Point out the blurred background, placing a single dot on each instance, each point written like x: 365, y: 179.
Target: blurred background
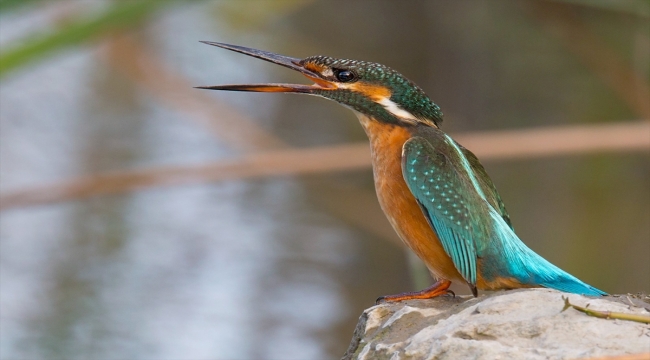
x: 144, y: 219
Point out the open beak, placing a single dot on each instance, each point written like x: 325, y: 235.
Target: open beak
x: 291, y: 63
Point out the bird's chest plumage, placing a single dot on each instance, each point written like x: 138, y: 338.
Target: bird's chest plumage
x: 397, y: 201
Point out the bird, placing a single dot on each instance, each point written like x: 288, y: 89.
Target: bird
x: 435, y: 193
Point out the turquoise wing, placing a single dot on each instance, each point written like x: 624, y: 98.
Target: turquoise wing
x: 449, y: 201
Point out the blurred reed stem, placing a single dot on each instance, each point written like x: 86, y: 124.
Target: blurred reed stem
x: 120, y: 15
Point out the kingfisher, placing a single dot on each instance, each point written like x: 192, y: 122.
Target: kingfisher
x: 434, y: 192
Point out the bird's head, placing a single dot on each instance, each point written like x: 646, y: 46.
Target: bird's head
x: 371, y: 89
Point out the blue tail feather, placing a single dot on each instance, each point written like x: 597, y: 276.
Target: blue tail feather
x: 573, y: 285
x: 528, y: 267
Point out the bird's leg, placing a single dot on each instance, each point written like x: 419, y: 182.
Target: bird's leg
x: 437, y: 289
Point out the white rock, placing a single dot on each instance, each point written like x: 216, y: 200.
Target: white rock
x: 519, y: 324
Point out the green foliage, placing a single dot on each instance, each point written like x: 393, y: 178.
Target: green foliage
x: 9, y: 4
x: 120, y: 15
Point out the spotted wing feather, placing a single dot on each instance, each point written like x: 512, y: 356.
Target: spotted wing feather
x: 445, y: 195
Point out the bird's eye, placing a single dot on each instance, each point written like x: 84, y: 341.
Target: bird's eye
x: 344, y: 75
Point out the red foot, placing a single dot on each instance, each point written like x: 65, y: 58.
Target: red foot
x: 437, y: 289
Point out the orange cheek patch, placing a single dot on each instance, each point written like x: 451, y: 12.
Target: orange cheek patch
x: 375, y: 92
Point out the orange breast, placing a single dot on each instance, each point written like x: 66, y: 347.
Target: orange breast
x: 399, y: 205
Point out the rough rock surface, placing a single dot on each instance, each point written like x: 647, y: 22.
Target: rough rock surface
x: 518, y: 324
